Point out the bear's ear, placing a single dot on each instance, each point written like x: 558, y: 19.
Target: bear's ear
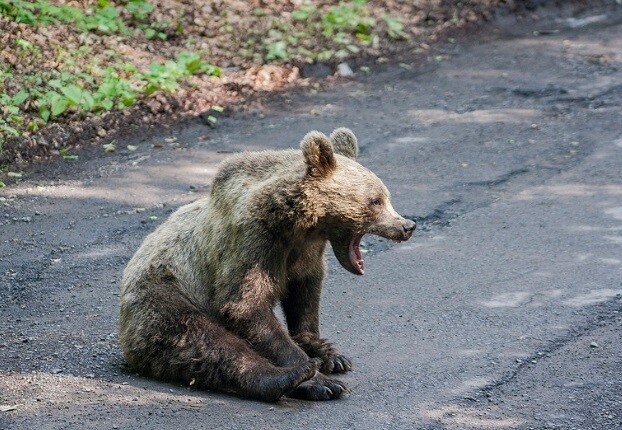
x: 344, y: 142
x: 318, y: 153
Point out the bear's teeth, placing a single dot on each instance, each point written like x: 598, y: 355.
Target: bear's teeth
x: 356, y: 258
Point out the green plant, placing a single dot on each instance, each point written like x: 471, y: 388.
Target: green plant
x: 24, y: 45
x: 64, y: 152
x: 211, y: 119
x: 395, y: 28
x: 347, y: 25
x: 191, y: 63
x: 349, y: 18
x: 167, y: 76
x: 114, y: 90
x: 10, y: 115
x: 52, y: 94
x: 20, y: 11
x: 306, y: 12
x: 155, y: 29
x: 276, y: 50
x: 102, y: 17
x: 78, y: 79
x: 139, y: 9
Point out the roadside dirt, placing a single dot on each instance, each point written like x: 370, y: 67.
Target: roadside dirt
x: 506, y: 148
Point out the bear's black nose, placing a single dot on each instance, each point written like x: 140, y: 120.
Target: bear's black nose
x: 409, y: 226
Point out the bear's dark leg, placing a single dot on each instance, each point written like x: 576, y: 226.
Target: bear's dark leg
x: 251, y: 316
x: 165, y: 337
x: 301, y: 308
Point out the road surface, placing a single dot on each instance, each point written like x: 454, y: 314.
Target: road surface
x: 502, y: 312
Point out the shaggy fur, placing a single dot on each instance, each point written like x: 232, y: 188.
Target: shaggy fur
x: 197, y: 298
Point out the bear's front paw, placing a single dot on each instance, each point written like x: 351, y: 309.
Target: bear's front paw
x: 336, y: 363
x: 314, y: 346
x: 320, y: 387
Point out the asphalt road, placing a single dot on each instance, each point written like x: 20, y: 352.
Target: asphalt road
x: 502, y: 312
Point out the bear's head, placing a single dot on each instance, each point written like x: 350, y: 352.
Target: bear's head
x: 346, y: 200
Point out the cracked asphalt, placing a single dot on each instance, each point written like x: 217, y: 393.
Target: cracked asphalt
x: 502, y: 312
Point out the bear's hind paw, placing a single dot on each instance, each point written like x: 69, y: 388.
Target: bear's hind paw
x: 319, y: 388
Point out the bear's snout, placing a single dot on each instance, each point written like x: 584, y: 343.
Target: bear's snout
x: 409, y: 227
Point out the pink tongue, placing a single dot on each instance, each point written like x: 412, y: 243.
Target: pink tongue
x: 356, y: 258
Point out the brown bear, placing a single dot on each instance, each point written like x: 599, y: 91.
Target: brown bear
x: 198, y: 297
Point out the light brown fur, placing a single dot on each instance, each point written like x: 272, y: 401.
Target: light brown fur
x: 197, y: 298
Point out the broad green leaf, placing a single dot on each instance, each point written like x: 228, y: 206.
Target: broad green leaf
x: 45, y: 114
x: 301, y: 14
x: 87, y: 101
x: 59, y: 105
x: 9, y: 129
x: 107, y: 104
x: 55, y: 83
x: 128, y: 100
x: 73, y: 94
x: 106, y: 89
x: 20, y: 97
x: 211, y: 70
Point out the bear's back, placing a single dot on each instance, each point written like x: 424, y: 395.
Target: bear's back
x: 198, y: 242
x: 250, y: 168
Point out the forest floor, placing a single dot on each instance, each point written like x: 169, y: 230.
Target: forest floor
x: 72, y: 78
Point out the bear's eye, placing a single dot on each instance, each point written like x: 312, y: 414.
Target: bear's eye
x: 376, y: 202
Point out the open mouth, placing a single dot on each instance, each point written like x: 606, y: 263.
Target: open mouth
x: 356, y: 258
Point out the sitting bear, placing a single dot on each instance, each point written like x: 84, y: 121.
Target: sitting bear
x: 198, y: 297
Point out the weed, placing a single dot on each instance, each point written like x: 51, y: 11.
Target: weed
x: 350, y: 18
x: 55, y: 93
x: 167, y: 76
x: 277, y: 50
x: 211, y: 119
x: 347, y: 26
x: 80, y: 80
x: 139, y: 9
x: 395, y: 28
x: 102, y: 17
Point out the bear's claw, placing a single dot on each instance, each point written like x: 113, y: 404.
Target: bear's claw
x: 336, y: 364
x: 314, y: 346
